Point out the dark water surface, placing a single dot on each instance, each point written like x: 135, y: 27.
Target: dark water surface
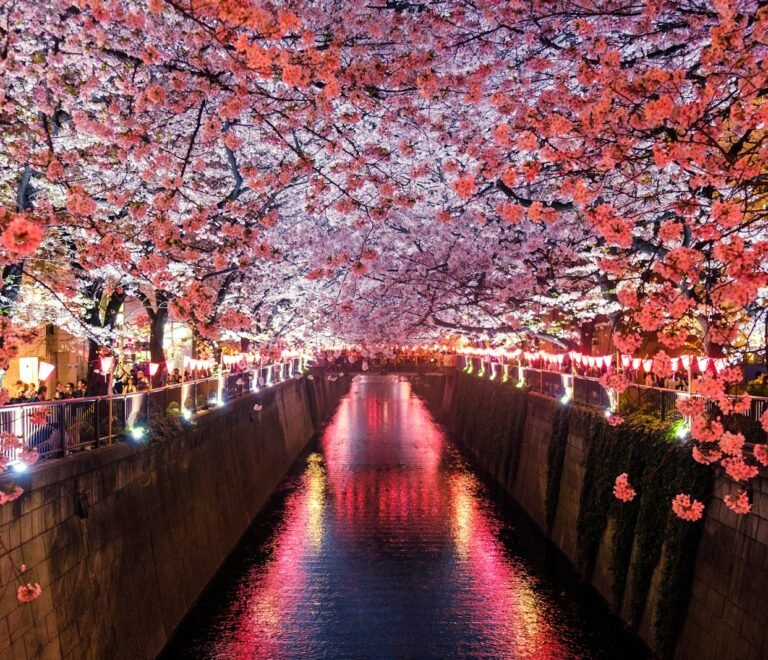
x: 382, y: 543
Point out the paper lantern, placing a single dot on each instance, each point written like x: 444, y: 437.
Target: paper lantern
x: 720, y: 364
x: 686, y: 360
x: 674, y: 363
x: 599, y: 362
x: 29, y: 369
x: 647, y: 366
x: 153, y: 367
x: 608, y: 360
x: 560, y: 358
x: 106, y: 364
x: 578, y: 358
x: 186, y: 361
x: 44, y: 370
x: 703, y: 364
x: 626, y: 360
x: 636, y: 363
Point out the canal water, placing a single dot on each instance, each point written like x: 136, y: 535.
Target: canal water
x: 383, y: 543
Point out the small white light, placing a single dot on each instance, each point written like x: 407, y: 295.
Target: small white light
x: 137, y: 433
x: 682, y: 432
x: 257, y: 407
x: 608, y: 413
x: 565, y: 398
x: 20, y: 467
x: 187, y: 414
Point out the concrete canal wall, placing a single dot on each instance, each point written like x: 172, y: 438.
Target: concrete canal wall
x: 124, y: 539
x: 688, y: 590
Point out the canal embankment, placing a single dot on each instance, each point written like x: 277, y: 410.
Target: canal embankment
x: 124, y: 539
x: 688, y: 590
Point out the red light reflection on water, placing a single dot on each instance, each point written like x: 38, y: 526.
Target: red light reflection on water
x: 387, y: 503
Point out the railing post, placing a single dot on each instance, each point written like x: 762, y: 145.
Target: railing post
x: 97, y: 421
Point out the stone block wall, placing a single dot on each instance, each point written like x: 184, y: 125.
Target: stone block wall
x: 728, y: 614
x: 124, y: 539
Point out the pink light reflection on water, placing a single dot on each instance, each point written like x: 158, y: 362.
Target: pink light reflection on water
x: 387, y: 546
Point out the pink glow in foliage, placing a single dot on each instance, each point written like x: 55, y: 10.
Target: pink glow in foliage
x: 738, y: 502
x: 687, y: 508
x: 22, y: 237
x: 622, y: 490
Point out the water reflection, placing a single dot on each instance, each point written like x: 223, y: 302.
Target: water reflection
x: 386, y: 545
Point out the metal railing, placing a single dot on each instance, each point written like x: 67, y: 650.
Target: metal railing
x: 657, y: 401
x: 57, y: 428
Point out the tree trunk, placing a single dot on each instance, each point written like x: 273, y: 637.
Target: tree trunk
x: 586, y: 332
x: 156, y: 337
x: 96, y: 383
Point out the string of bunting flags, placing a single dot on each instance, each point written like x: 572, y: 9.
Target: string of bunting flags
x: 627, y: 362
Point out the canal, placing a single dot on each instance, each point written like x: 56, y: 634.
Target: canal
x: 383, y: 543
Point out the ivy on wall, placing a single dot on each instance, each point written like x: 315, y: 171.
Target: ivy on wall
x: 644, y: 530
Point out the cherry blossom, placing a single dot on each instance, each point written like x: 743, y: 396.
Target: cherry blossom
x: 622, y: 489
x: 738, y: 502
x: 26, y: 593
x: 687, y: 508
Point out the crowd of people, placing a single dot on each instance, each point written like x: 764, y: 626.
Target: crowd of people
x: 125, y: 380
x: 31, y: 393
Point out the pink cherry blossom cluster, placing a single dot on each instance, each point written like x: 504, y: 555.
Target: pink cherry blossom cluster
x: 622, y: 490
x: 26, y: 593
x: 738, y: 502
x: 687, y: 508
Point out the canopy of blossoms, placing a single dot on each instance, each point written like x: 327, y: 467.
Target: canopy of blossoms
x: 391, y: 170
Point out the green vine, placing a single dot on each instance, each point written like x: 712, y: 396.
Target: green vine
x: 643, y: 529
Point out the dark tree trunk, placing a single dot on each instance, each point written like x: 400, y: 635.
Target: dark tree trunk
x: 586, y: 332
x: 97, y: 384
x: 156, y: 338
x: 158, y: 316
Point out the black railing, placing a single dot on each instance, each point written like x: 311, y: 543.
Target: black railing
x: 657, y: 401
x: 57, y: 428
